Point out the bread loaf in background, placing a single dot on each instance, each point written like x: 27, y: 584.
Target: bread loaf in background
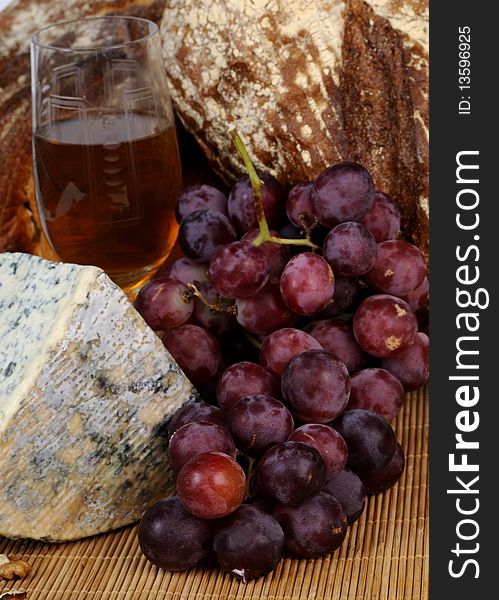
x: 307, y: 83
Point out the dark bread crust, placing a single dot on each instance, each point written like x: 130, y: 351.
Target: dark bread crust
x: 378, y: 114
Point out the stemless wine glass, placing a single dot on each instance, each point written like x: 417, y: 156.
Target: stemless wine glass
x: 105, y: 154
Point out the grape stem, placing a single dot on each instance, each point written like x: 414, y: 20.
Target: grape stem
x: 251, y: 463
x: 220, y: 306
x: 252, y: 339
x: 264, y: 235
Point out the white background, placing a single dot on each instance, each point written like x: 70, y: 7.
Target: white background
x: 4, y: 3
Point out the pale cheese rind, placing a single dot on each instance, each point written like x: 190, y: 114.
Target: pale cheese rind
x: 86, y: 391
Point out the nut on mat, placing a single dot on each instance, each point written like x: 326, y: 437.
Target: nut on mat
x: 17, y: 594
x: 11, y: 568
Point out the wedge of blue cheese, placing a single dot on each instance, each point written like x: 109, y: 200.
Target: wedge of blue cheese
x: 86, y: 391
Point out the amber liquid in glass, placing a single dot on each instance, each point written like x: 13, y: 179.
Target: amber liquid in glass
x: 107, y: 189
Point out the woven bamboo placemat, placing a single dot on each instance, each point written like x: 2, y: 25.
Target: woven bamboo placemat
x: 384, y: 556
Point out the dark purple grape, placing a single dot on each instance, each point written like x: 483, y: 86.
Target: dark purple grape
x: 350, y: 249
x: 195, y: 350
x: 245, y: 379
x: 411, y: 365
x: 249, y: 543
x: 383, y: 218
x: 282, y: 345
x: 418, y: 298
x: 264, y: 312
x: 173, y: 539
x: 200, y: 197
x: 277, y: 255
x: 238, y: 270
x: 343, y: 192
x: 350, y: 492
x: 290, y: 473
x: 217, y: 322
x: 196, y: 438
x: 384, y: 325
x: 337, y: 337
x: 345, y: 297
x: 211, y: 485
x: 378, y: 390
x: 203, y: 232
x: 164, y: 303
x: 258, y: 422
x: 242, y: 208
x: 316, y: 386
x: 188, y: 270
x: 328, y: 443
x: 307, y: 283
x: 398, y: 270
x: 314, y: 528
x: 299, y: 206
x: 382, y: 479
x: 194, y: 412
x: 370, y: 439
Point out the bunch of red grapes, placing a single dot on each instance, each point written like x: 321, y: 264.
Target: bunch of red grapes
x: 297, y: 318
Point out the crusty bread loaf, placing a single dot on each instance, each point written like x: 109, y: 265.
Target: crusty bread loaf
x: 307, y: 83
x: 19, y: 223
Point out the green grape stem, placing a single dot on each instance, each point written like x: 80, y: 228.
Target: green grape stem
x: 264, y: 235
x: 220, y: 306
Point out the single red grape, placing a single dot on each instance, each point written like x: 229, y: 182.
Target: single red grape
x: 370, y: 439
x: 196, y: 411
x: 203, y: 232
x: 259, y: 422
x: 264, y: 312
x: 399, y: 268
x: 197, y: 438
x: 249, y: 543
x: 350, y: 492
x: 384, y: 325
x: 245, y: 379
x: 290, y: 473
x: 380, y: 480
x: 345, y: 296
x: 200, y: 197
x: 314, y: 528
x: 418, y: 298
x: 307, y: 283
x: 299, y: 206
x: 383, y: 218
x: 337, y: 337
x: 328, y: 443
x: 411, y: 365
x: 196, y: 351
x: 378, y: 390
x: 343, y: 192
x: 281, y: 346
x: 350, y: 249
x: 316, y: 386
x: 173, y: 539
x: 211, y: 485
x: 164, y: 303
x: 188, y: 270
x: 238, y: 270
